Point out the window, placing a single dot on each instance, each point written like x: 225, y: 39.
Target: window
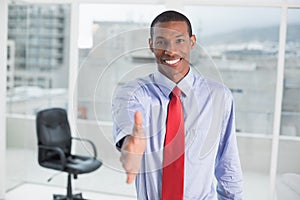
x: 29, y: 87
x: 290, y: 116
x: 239, y: 46
x: 287, y: 165
x: 111, y: 47
x: 36, y: 45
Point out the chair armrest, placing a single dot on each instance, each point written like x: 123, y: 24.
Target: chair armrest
x: 90, y: 142
x: 60, y: 152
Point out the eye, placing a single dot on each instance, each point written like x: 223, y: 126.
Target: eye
x: 159, y: 43
x: 178, y: 41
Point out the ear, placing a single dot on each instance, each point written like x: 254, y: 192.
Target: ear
x: 193, y: 41
x: 150, y: 41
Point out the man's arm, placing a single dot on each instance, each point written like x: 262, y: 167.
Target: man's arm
x: 228, y: 169
x: 128, y: 131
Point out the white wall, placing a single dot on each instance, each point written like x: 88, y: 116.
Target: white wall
x: 251, y: 148
x: 3, y: 56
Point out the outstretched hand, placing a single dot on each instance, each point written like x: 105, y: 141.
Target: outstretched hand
x: 133, y: 149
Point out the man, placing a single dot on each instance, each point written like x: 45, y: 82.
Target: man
x: 203, y: 121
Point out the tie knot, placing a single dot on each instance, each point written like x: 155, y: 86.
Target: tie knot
x: 176, y: 91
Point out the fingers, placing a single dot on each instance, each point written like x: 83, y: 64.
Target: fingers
x: 129, y: 171
x: 131, y: 165
x: 130, y: 177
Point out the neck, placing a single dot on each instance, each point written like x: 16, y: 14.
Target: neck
x: 175, y: 77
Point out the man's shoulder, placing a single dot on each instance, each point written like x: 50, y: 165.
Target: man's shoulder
x: 136, y: 85
x: 138, y: 82
x: 211, y: 85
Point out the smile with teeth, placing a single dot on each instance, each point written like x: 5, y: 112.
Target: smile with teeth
x: 172, y: 62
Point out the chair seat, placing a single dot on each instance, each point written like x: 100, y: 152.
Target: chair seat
x: 75, y: 164
x: 81, y: 164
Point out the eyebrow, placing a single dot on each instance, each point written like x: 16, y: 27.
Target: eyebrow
x: 177, y: 36
x: 181, y: 35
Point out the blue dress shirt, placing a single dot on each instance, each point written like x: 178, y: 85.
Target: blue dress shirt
x: 211, y: 154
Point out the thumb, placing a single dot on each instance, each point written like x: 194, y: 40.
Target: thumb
x: 138, y: 119
x: 138, y: 124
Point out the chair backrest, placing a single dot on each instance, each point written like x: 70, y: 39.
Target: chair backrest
x: 53, y: 130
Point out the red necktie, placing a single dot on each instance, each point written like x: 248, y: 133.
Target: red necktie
x: 173, y: 162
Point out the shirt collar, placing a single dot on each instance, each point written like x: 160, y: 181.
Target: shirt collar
x: 166, y: 85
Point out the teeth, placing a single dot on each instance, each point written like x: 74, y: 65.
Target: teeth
x: 172, y: 62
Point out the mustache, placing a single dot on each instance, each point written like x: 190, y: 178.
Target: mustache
x: 173, y: 57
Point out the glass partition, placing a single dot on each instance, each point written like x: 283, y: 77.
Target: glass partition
x: 239, y: 47
x: 290, y: 115
x: 37, y: 78
x: 111, y: 47
x: 243, y: 46
x: 38, y: 49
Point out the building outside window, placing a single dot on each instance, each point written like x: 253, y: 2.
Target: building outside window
x: 291, y: 88
x: 40, y: 34
x: 111, y: 48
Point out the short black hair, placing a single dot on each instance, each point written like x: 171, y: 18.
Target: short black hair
x: 168, y: 16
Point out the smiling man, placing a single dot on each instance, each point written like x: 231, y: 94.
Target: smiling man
x: 176, y: 129
x: 171, y: 43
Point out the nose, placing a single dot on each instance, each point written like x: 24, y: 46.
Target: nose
x: 170, y: 49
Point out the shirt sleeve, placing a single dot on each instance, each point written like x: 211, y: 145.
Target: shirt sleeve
x: 228, y: 169
x: 125, y: 103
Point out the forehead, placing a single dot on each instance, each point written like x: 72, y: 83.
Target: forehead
x: 171, y: 28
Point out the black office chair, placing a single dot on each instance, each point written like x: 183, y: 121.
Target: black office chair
x: 54, y: 149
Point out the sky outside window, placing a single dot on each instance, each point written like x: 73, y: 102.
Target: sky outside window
x: 107, y: 13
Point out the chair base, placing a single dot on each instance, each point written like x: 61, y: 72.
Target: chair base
x: 64, y: 197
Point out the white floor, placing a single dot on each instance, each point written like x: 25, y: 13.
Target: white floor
x: 43, y: 192
x: 27, y: 180
x: 25, y: 177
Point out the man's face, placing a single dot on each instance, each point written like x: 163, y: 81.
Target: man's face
x: 171, y: 45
